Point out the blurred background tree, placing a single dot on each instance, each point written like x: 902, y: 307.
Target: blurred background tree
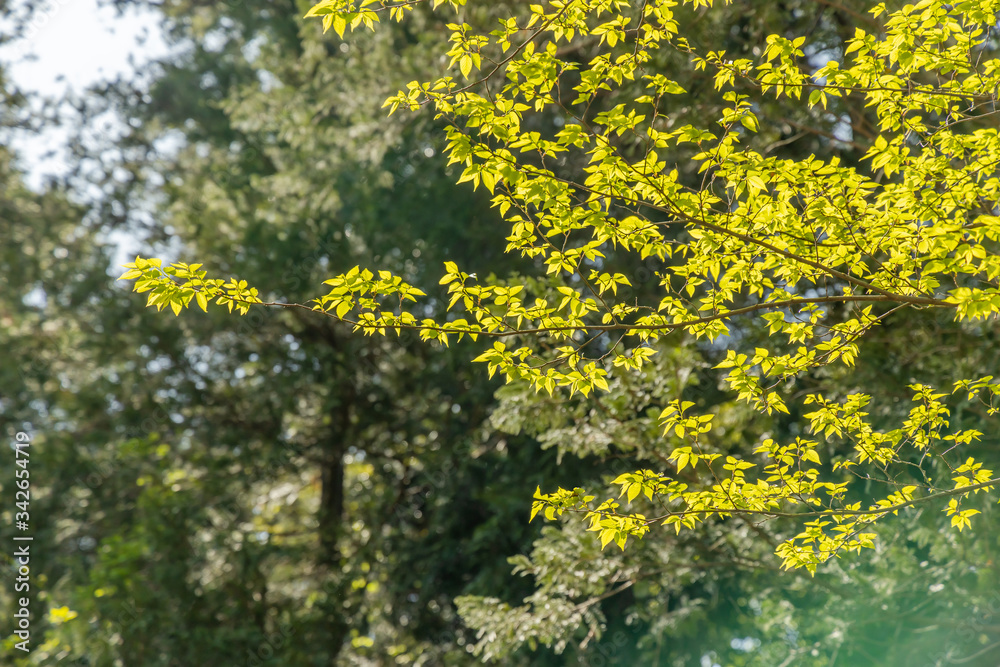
x: 275, y: 490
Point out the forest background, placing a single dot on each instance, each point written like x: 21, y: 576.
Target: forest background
x: 272, y: 489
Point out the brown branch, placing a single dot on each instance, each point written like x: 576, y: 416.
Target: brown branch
x: 821, y: 513
x: 668, y: 326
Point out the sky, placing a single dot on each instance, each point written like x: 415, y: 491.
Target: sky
x: 70, y: 45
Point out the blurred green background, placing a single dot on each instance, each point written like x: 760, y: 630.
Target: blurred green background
x: 274, y: 490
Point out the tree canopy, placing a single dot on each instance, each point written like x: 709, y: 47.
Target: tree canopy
x: 713, y: 315
x: 779, y: 241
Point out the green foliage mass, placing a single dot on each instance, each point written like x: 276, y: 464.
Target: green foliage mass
x: 813, y: 253
x: 755, y: 283
x: 782, y: 239
x: 267, y: 488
